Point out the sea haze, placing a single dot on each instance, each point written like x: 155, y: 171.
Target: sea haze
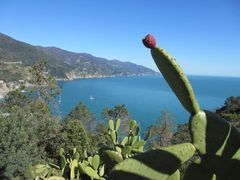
x: 145, y: 96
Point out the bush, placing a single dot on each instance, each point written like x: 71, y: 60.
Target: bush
x: 74, y: 135
x: 25, y: 136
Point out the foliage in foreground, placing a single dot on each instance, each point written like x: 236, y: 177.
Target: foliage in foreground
x: 214, y: 139
x: 28, y: 127
x: 28, y: 119
x: 77, y: 165
x: 24, y: 136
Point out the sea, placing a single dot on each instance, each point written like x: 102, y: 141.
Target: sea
x: 145, y: 97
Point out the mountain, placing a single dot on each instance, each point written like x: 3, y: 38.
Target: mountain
x: 17, y: 56
x: 87, y: 65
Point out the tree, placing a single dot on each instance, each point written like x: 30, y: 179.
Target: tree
x: 82, y: 113
x: 97, y: 133
x: 162, y: 131
x: 39, y: 87
x: 14, y: 99
x: 74, y: 135
x: 15, y: 152
x: 100, y: 138
x: 24, y: 136
x: 118, y: 112
x: 27, y: 126
x: 43, y: 85
x: 231, y: 105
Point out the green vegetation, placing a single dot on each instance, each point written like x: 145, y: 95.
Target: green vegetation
x: 162, y: 131
x: 214, y: 139
x: 12, y: 72
x: 28, y: 128
x: 81, y: 113
x: 118, y: 112
x: 74, y: 135
x: 231, y: 105
x: 36, y: 144
x: 75, y: 165
x: 31, y: 134
x: 16, y: 57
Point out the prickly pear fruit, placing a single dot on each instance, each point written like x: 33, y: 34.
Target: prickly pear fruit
x: 149, y: 41
x: 176, y: 79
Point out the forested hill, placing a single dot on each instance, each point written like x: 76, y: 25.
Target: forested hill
x: 16, y: 56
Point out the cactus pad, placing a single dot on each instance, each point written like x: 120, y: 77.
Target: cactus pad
x: 156, y: 164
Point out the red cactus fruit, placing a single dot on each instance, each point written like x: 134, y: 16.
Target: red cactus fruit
x: 149, y: 41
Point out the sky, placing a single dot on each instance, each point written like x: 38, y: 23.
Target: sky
x: 204, y: 36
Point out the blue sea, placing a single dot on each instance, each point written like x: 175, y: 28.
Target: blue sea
x: 145, y: 97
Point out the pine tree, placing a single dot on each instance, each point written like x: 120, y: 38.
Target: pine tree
x: 82, y: 113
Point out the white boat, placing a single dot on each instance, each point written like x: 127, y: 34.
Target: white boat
x: 91, y: 98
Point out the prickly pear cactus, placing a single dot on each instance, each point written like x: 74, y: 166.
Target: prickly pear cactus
x: 46, y: 171
x: 129, y: 145
x: 216, y: 141
x: 72, y: 167
x: 176, y: 79
x: 155, y: 164
x: 93, y: 167
x: 197, y: 171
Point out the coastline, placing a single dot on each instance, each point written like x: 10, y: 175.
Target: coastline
x: 4, y: 89
x: 103, y: 76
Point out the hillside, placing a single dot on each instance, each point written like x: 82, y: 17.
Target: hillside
x: 17, y: 56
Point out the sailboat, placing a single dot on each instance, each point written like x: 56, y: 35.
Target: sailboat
x: 91, y: 98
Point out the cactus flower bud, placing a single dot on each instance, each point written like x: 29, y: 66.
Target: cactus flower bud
x: 149, y: 41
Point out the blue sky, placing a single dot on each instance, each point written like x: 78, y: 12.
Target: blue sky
x: 204, y: 36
